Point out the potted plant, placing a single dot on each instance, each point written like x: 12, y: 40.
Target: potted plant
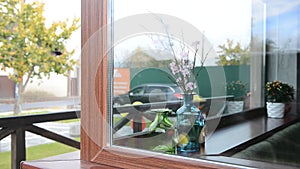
x: 238, y: 90
x: 278, y: 94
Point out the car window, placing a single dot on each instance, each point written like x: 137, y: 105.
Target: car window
x: 156, y: 89
x: 170, y: 90
x: 177, y: 89
x: 165, y: 89
x: 137, y: 91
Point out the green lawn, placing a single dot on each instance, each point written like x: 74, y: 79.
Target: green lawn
x: 69, y: 121
x: 37, y: 152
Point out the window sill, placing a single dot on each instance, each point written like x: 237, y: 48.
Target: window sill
x: 230, y: 135
x: 68, y: 160
x: 226, y: 135
x: 238, y: 131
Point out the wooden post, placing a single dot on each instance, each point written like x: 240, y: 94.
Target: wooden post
x: 137, y: 123
x: 18, y: 150
x: 94, y: 75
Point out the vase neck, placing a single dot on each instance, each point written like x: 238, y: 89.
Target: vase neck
x: 188, y: 99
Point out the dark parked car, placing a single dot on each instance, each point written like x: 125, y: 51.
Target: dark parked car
x: 149, y: 93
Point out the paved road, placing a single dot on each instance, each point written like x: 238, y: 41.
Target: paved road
x: 75, y: 102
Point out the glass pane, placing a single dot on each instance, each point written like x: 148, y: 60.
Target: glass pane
x: 222, y: 44
x: 283, y: 41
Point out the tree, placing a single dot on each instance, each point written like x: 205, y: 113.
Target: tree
x: 141, y: 58
x: 30, y: 49
x: 233, y: 54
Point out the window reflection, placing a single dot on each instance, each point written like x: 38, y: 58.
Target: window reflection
x: 233, y: 40
x: 230, y: 41
x: 283, y: 39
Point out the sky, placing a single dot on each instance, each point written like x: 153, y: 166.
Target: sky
x: 60, y: 10
x: 283, y: 24
x: 219, y: 19
x: 282, y: 6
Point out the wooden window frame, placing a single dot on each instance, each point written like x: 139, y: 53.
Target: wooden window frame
x: 95, y: 146
x: 95, y: 98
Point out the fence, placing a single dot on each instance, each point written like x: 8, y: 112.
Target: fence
x: 16, y: 127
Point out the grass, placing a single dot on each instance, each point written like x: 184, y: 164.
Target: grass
x: 69, y: 121
x: 37, y: 152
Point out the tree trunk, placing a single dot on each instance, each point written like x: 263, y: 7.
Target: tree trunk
x: 18, y: 98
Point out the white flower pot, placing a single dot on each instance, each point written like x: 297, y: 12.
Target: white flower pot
x: 275, y: 110
x: 235, y: 106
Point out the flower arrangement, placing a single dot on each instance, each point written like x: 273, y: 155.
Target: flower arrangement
x: 183, y: 69
x: 184, y: 57
x: 279, y: 92
x: 237, y: 89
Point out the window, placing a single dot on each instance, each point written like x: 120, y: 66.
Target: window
x: 230, y: 51
x: 152, y: 159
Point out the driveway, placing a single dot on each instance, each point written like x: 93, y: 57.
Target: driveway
x: 74, y: 102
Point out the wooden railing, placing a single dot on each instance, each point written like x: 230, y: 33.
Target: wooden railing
x: 17, y: 125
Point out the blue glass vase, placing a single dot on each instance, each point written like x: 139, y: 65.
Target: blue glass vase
x: 189, y: 124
